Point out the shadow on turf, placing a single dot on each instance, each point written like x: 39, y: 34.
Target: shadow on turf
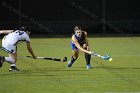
x: 40, y: 72
x: 48, y: 72
x: 27, y: 73
x: 114, y: 67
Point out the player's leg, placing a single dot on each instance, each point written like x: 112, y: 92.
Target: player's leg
x: 2, y: 57
x: 11, y: 50
x: 75, y: 54
x: 87, y: 56
x: 12, y: 60
x: 1, y: 60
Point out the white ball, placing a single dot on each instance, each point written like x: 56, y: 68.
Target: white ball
x: 110, y: 59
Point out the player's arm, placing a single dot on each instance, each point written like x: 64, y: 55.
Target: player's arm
x: 30, y: 50
x: 6, y: 31
x: 78, y: 45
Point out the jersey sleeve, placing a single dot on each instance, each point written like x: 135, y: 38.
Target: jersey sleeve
x: 27, y: 38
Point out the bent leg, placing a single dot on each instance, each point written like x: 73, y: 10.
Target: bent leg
x: 12, y: 60
x: 87, y: 56
x: 75, y: 54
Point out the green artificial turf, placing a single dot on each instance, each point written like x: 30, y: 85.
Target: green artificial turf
x: 122, y: 75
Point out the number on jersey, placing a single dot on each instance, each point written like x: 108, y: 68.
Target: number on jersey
x: 20, y: 32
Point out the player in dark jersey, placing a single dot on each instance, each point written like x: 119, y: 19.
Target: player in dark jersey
x: 79, y: 42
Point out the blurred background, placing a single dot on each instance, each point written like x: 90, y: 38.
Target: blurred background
x: 60, y: 16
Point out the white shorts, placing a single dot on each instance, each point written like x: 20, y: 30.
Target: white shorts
x: 8, y: 47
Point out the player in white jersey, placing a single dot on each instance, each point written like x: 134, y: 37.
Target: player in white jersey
x: 9, y: 45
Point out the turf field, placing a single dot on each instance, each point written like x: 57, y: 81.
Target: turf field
x: 122, y: 75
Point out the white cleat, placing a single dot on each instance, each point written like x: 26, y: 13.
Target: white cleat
x: 69, y: 64
x: 88, y: 66
x: 13, y: 68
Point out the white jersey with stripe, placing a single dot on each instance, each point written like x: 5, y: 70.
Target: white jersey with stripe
x: 16, y: 36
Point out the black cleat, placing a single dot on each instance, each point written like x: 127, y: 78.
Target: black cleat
x: 1, y: 60
x: 13, y: 68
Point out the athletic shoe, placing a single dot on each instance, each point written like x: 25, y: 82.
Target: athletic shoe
x: 69, y: 64
x: 1, y: 60
x: 13, y: 68
x: 88, y: 66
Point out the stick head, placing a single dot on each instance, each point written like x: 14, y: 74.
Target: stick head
x: 107, y: 57
x: 65, y: 59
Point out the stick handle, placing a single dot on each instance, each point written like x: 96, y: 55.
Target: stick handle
x: 100, y: 56
x: 55, y: 59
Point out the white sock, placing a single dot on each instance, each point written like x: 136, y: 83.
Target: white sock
x: 10, y: 60
x: 13, y: 64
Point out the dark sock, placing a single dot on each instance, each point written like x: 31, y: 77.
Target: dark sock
x: 87, y: 57
x: 2, y: 58
x: 72, y: 59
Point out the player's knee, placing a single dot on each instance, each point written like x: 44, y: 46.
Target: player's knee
x: 75, y: 57
x: 12, y: 60
x: 86, y: 54
x: 85, y: 46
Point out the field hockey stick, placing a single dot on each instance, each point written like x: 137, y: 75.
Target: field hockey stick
x: 54, y: 59
x: 107, y: 57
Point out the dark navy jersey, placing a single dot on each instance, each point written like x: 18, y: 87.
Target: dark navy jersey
x: 81, y: 40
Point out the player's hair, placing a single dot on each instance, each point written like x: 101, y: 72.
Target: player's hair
x: 77, y: 28
x: 24, y: 28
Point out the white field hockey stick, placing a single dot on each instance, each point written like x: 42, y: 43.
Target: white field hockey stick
x: 48, y: 58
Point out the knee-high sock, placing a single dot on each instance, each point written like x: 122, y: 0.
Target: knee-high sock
x: 72, y: 59
x: 10, y: 60
x: 87, y: 58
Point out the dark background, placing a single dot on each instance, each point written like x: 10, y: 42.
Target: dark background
x: 60, y: 16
